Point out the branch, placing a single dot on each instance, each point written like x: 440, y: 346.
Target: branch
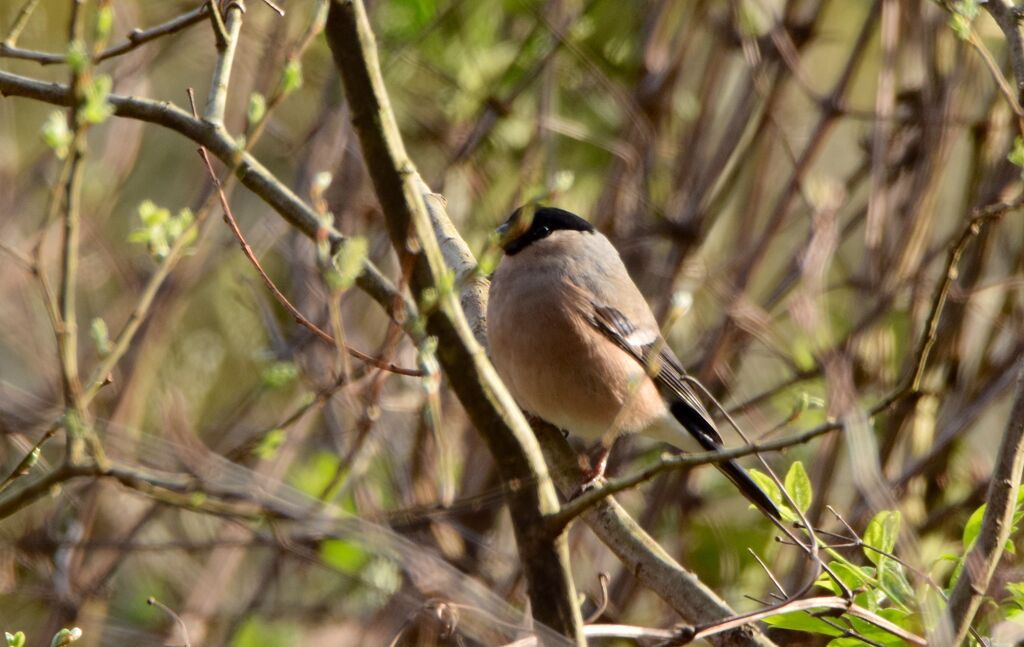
x: 1005, y: 14
x: 229, y: 217
x: 996, y: 525
x: 136, y: 38
x: 511, y: 441
x: 19, y: 23
x: 216, y: 103
x: 642, y: 556
x: 248, y: 169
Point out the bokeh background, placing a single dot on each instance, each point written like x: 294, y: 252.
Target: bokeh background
x: 783, y: 178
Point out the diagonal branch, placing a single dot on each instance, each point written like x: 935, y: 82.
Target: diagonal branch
x: 511, y: 441
x: 229, y: 216
x: 248, y: 169
x: 996, y: 525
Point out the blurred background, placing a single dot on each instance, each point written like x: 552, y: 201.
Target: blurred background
x: 783, y: 178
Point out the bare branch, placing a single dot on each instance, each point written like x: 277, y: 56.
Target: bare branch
x: 229, y: 217
x: 511, y: 441
x: 218, y: 141
x: 980, y: 563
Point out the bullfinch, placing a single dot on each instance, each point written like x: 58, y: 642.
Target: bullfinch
x: 577, y: 345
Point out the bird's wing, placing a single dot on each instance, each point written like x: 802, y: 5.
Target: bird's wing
x: 648, y: 348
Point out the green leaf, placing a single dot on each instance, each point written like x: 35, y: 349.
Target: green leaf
x: 854, y: 577
x: 104, y: 22
x: 314, y: 474
x: 100, y: 335
x: 279, y: 374
x: 767, y: 484
x: 291, y: 79
x: 1016, y: 155
x: 269, y: 444
x: 349, y: 262
x: 257, y: 632
x: 345, y: 556
x: 774, y: 493
x: 17, y: 639
x: 881, y: 533
x: 802, y: 621
x: 893, y: 581
x: 65, y: 637
x: 96, y: 107
x: 152, y: 215
x: 77, y: 56
x: 973, y: 527
x: 799, y: 486
x: 56, y: 134
x: 964, y: 13
x: 257, y: 108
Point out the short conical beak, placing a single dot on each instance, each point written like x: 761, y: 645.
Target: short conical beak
x: 503, y: 235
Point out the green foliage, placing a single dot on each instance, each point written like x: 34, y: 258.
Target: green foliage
x: 269, y: 444
x: 881, y: 586
x: 881, y: 534
x: 65, y: 637
x: 345, y: 556
x: 802, y: 621
x: 348, y: 263
x: 1016, y: 155
x: 257, y: 632
x: 17, y: 639
x: 96, y: 107
x: 257, y: 108
x: 798, y: 484
x: 291, y: 78
x: 56, y: 134
x: 100, y: 335
x: 77, y: 56
x: 104, y: 23
x: 964, y: 13
x: 314, y: 474
x: 279, y: 374
x: 160, y: 230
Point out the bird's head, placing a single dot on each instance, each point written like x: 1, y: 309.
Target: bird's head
x: 530, y: 223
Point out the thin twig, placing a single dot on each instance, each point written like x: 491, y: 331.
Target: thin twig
x: 136, y: 38
x: 229, y: 217
x: 174, y: 616
x: 251, y: 173
x: 19, y: 22
x: 216, y: 103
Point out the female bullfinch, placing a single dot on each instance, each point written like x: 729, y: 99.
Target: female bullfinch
x: 577, y: 345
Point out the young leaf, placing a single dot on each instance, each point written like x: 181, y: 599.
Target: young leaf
x: 65, y: 637
x: 802, y: 621
x: 56, y: 134
x: 348, y: 262
x: 291, y: 79
x: 17, y: 639
x: 96, y: 108
x: 100, y: 335
x: 257, y: 107
x: 973, y: 527
x: 799, y: 486
x: 881, y: 533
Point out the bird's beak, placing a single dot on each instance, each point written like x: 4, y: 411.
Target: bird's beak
x: 502, y: 233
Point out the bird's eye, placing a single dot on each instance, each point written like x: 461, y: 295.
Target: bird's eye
x: 543, y: 231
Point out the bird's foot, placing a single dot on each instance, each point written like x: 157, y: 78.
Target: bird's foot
x: 593, y: 471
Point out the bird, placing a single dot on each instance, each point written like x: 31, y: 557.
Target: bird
x: 576, y: 344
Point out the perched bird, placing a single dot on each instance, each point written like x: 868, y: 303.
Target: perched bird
x: 577, y: 345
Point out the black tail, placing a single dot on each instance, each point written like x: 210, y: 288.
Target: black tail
x: 749, y: 488
x: 697, y: 423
